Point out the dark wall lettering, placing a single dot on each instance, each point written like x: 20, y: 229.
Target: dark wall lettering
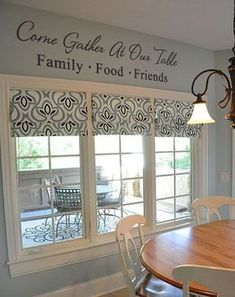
x: 117, y: 50
x: 136, y: 53
x: 163, y: 57
x: 25, y: 33
x: 71, y: 43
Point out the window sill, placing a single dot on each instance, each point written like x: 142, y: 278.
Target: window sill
x: 41, y: 259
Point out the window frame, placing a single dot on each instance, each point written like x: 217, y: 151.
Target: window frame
x: 64, y: 253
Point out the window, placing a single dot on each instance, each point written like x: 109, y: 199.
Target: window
x: 67, y: 182
x: 119, y: 164
x: 48, y: 170
x: 173, y: 157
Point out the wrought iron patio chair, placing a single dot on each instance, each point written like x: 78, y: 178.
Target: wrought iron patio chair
x: 49, y: 185
x: 68, y: 202
x: 109, y: 203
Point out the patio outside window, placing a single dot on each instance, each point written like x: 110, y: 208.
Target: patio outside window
x: 120, y: 159
x: 119, y: 183
x: 46, y: 165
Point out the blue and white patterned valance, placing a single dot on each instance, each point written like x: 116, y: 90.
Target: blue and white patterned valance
x: 122, y: 115
x: 48, y: 113
x: 171, y: 119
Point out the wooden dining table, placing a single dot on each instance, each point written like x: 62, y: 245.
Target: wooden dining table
x: 211, y: 244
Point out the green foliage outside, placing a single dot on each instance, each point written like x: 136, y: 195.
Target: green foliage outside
x: 29, y: 148
x: 183, y: 163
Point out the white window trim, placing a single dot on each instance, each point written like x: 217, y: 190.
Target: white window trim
x: 46, y: 257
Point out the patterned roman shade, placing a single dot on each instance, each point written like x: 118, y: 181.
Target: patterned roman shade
x: 47, y: 113
x: 171, y: 119
x: 122, y: 115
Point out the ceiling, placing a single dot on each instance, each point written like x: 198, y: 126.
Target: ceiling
x: 205, y: 23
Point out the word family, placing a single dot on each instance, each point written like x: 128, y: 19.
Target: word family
x: 68, y: 64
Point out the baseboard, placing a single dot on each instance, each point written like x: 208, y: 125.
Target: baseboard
x: 93, y: 288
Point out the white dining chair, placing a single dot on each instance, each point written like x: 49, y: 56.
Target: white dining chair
x: 139, y: 281
x: 211, y: 206
x: 218, y: 280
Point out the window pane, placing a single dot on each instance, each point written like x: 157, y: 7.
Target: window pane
x: 182, y: 162
x: 164, y: 144
x: 183, y: 185
x: 32, y: 146
x: 108, y: 166
x: 65, y: 162
x: 35, y: 232
x: 183, y: 206
x: 164, y: 163
x: 133, y: 209
x: 165, y: 186
x: 165, y: 210
x: 106, y: 144
x: 68, y: 226
x: 182, y: 144
x: 133, y: 191
x: 107, y: 219
x: 132, y: 165
x: 32, y: 163
x: 131, y: 144
x: 64, y: 145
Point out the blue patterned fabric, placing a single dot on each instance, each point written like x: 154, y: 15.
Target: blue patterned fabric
x: 171, y: 119
x: 48, y: 113
x: 122, y: 115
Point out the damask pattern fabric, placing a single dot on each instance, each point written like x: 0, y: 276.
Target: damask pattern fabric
x: 48, y: 113
x: 122, y: 115
x: 171, y: 119
x: 54, y: 113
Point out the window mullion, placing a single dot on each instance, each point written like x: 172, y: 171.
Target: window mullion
x: 88, y: 177
x: 52, y: 200
x: 149, y: 180
x: 174, y: 162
